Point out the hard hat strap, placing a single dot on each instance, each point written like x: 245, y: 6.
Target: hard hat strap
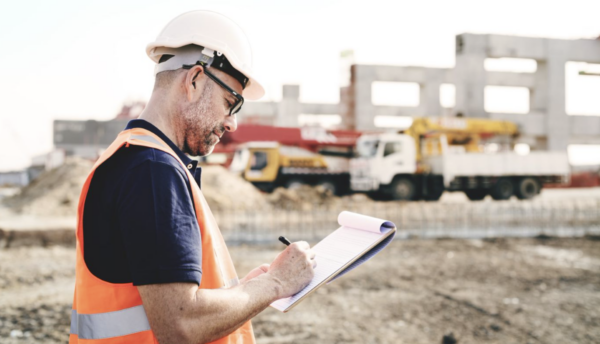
x: 221, y: 63
x: 216, y: 59
x: 207, y: 57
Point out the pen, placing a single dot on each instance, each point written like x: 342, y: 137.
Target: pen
x: 284, y: 240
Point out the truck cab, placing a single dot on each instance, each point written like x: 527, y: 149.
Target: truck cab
x: 382, y: 161
x: 388, y: 167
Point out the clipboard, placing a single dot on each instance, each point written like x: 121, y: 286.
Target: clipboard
x: 359, y: 239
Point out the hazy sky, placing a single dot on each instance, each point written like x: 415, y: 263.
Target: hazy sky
x: 82, y: 60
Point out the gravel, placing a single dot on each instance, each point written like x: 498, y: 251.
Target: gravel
x: 541, y: 290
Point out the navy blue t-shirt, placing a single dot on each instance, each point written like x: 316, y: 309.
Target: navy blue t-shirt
x: 139, y: 220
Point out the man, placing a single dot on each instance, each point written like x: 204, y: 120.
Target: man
x: 151, y: 263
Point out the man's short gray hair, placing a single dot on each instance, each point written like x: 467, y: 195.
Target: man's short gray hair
x: 164, y: 80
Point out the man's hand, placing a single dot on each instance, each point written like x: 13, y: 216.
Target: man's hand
x: 293, y: 268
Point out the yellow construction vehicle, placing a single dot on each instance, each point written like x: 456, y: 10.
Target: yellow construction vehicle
x: 268, y: 165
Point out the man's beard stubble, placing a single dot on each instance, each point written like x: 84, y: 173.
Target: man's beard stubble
x: 198, y: 125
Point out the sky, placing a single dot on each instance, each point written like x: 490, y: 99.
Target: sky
x: 82, y: 59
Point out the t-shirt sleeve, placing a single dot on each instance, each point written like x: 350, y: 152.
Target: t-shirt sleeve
x: 157, y: 220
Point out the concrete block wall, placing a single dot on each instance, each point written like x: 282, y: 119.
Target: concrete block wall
x: 547, y: 124
x: 284, y: 113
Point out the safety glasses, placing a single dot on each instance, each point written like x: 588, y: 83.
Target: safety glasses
x: 239, y: 100
x: 237, y: 106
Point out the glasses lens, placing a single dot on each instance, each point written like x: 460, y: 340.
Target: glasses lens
x: 240, y: 100
x: 237, y: 107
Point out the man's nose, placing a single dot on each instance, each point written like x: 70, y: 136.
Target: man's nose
x: 231, y: 123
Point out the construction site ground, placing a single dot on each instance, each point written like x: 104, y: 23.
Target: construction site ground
x: 534, y: 290
x: 502, y: 290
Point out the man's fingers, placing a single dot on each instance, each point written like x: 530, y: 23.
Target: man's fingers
x: 303, y: 245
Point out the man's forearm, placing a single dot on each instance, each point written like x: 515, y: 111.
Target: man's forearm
x: 182, y: 313
x: 205, y: 315
x: 224, y: 310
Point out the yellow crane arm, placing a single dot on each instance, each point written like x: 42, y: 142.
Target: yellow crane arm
x: 462, y: 131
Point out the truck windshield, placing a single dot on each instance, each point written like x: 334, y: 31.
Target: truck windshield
x: 367, y: 149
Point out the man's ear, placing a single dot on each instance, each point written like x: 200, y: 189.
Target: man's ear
x: 194, y: 82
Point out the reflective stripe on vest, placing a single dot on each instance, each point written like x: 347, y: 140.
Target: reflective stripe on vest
x: 111, y: 324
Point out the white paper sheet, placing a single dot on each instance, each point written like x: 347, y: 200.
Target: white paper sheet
x: 364, y: 222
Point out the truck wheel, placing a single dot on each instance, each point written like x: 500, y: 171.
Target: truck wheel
x: 434, y: 195
x: 476, y: 194
x: 503, y: 189
x: 435, y: 189
x: 378, y: 196
x: 266, y: 187
x: 527, y: 188
x: 329, y: 185
x: 403, y: 189
x: 293, y: 184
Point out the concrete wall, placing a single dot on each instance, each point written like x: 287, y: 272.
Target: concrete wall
x: 86, y: 138
x: 286, y: 112
x: 547, y: 124
x: 16, y: 178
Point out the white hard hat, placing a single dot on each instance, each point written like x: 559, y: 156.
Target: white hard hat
x: 218, y: 36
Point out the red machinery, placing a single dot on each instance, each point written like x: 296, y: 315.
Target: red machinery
x: 310, y: 138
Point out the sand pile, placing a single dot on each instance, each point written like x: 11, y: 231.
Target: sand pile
x: 224, y: 190
x: 304, y: 197
x: 55, y: 192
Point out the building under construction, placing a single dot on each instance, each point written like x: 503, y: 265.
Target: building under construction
x: 546, y: 127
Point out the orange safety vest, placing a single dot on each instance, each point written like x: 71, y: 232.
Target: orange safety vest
x: 109, y: 313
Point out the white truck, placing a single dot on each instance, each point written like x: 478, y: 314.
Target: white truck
x: 387, y: 168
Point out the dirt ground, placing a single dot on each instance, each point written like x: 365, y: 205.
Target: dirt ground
x: 419, y: 291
